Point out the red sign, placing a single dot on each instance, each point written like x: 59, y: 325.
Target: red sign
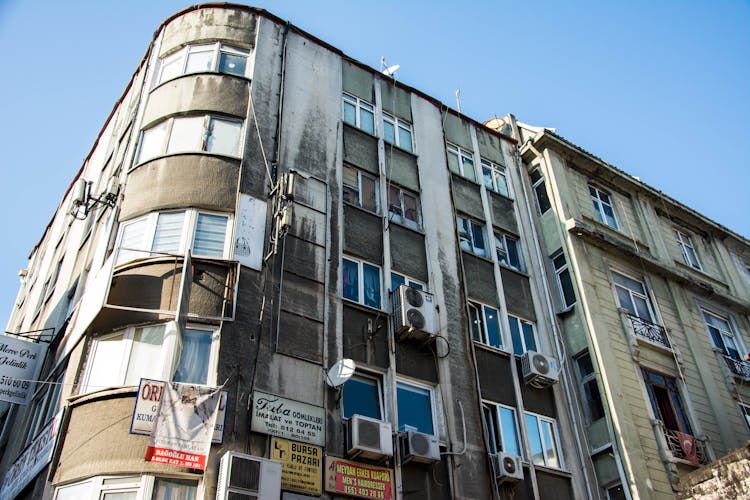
x: 172, y: 457
x: 358, y: 480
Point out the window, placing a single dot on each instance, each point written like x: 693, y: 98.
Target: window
x: 403, y: 207
x: 398, y: 132
x: 615, y: 492
x: 688, y: 249
x: 471, y: 236
x: 128, y: 488
x: 632, y: 296
x: 362, y: 396
x: 215, y: 57
x: 502, y: 429
x: 495, y: 178
x: 603, y: 206
x: 187, y: 134
x: 522, y: 334
x: 415, y: 408
x: 44, y: 405
x: 540, y: 191
x: 484, y: 322
x: 361, y: 189
x: 461, y: 162
x: 359, y: 113
x: 399, y: 279
x: 564, y: 281
x: 590, y: 395
x: 204, y: 233
x: 508, y: 251
x: 361, y: 282
x: 666, y: 402
x: 722, y: 334
x: 123, y: 358
x: 543, y: 440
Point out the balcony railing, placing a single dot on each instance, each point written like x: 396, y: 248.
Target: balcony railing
x: 651, y: 332
x: 738, y: 367
x: 679, y: 450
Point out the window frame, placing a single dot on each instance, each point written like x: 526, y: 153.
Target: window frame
x: 585, y: 380
x: 681, y: 417
x: 561, y: 271
x: 732, y: 333
x: 555, y: 440
x: 398, y: 124
x: 359, y: 191
x: 401, y: 218
x: 417, y: 387
x: 688, y: 249
x: 479, y: 311
x: 745, y: 413
x: 522, y: 338
x: 406, y: 280
x: 597, y: 195
x: 539, y: 186
x: 496, y: 430
x: 378, y: 383
x: 645, y: 296
x: 44, y: 404
x: 360, y: 282
x: 462, y: 156
x: 359, y: 104
x: 206, y: 135
x: 462, y: 223
x: 502, y: 251
x: 143, y: 485
x: 495, y: 170
x: 216, y: 49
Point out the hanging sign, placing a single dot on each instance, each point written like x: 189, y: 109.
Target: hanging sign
x: 20, y: 362
x: 250, y: 231
x: 287, y: 418
x: 301, y: 465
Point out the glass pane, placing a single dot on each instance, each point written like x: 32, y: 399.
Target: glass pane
x: 361, y: 397
x: 168, y: 234
x: 515, y: 335
x: 541, y: 198
x: 132, y: 238
x: 232, y: 63
x: 194, y: 360
x: 411, y: 211
x: 487, y: 178
x: 74, y: 492
x: 170, y: 67
x: 641, y: 306
x: 477, y: 235
x: 476, y: 323
x: 623, y: 297
x: 453, y: 162
x: 493, y: 327
x: 535, y: 440
x: 119, y: 495
x: 371, y: 285
x: 414, y: 409
x: 350, y: 113
x: 152, y: 141
x: 369, y: 194
x: 569, y: 295
x: 510, y: 436
x: 394, y: 204
x: 200, y: 60
x: 513, y: 258
x: 145, y: 356
x: 585, y: 365
x: 528, y: 336
x: 501, y: 183
x: 187, y: 135
x: 224, y: 137
x: 468, y: 166
x: 350, y: 280
x: 549, y: 445
x: 609, y: 215
x: 489, y: 422
x: 396, y: 281
x: 502, y: 256
x: 389, y: 132
x: 166, y: 489
x: 404, y: 139
x: 366, y: 121
x: 210, y: 234
x: 463, y: 233
x: 105, y: 369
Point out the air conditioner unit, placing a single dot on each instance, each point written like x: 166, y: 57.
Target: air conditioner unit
x: 245, y: 476
x: 538, y: 370
x: 419, y: 447
x: 507, y: 467
x: 413, y: 314
x: 369, y: 438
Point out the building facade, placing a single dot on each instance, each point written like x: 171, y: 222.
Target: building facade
x: 653, y: 299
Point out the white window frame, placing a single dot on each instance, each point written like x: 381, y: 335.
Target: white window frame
x: 401, y: 218
x: 481, y: 310
x: 731, y: 333
x: 555, y: 437
x: 501, y: 249
x: 180, y: 58
x: 597, y: 198
x: 370, y: 377
x: 539, y: 186
x: 408, y: 282
x: 462, y: 156
x: 559, y: 270
x: 495, y: 428
x: 689, y: 252
x: 584, y: 380
x: 359, y: 105
x: 398, y: 124
x: 520, y: 322
x: 98, y: 486
x: 360, y: 203
x: 187, y: 238
x: 45, y: 404
x: 361, y: 282
x: 205, y: 135
x: 496, y: 171
x: 461, y: 222
x: 646, y: 296
x: 411, y: 385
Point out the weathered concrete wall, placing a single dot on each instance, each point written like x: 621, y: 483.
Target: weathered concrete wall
x: 728, y: 477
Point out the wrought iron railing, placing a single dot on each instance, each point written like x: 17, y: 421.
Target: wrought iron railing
x: 737, y: 367
x: 648, y: 331
x: 682, y: 450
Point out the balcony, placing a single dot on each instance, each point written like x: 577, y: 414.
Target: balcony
x: 738, y: 367
x: 650, y: 332
x: 672, y: 439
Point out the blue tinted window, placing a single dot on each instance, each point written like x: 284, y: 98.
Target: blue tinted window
x: 414, y: 408
x: 361, y: 396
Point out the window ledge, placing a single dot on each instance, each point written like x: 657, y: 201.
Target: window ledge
x: 489, y: 348
x: 357, y: 129
x: 405, y: 226
x: 500, y: 195
x: 364, y: 307
x: 185, y: 153
x: 110, y: 392
x: 465, y: 179
x: 357, y: 207
x: 552, y: 470
x: 700, y: 274
x: 387, y: 145
x: 468, y: 252
x: 198, y: 73
x: 566, y: 311
x: 513, y: 270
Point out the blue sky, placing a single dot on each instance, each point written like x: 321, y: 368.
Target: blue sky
x: 658, y: 89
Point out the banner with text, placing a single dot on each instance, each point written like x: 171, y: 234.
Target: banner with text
x: 20, y: 362
x: 358, y: 480
x: 147, y: 405
x: 301, y: 465
x: 287, y: 418
x: 184, y: 425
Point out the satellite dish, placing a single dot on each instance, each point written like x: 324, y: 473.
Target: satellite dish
x: 341, y: 371
x: 390, y: 70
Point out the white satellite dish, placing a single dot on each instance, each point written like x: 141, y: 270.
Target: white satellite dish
x: 341, y: 371
x: 390, y: 70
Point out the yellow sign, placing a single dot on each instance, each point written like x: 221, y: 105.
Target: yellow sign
x: 301, y: 465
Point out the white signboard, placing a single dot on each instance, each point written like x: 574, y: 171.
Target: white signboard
x: 287, y: 418
x: 250, y: 231
x: 147, y: 407
x: 20, y: 362
x: 34, y: 459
